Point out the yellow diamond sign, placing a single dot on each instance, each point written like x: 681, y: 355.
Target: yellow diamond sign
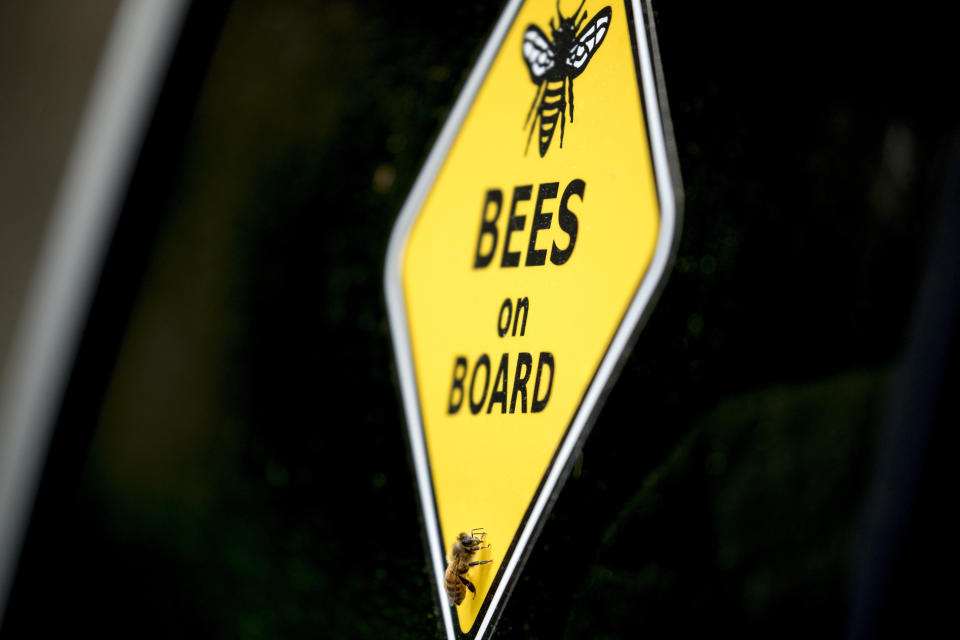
x: 525, y: 258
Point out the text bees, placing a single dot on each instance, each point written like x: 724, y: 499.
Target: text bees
x: 490, y: 213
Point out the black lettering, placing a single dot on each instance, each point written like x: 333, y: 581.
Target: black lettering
x: 485, y: 361
x: 538, y: 404
x: 499, y: 393
x: 568, y: 221
x: 541, y: 221
x: 488, y: 227
x: 514, y: 223
x: 501, y: 326
x: 457, y: 387
x: 524, y: 361
x: 522, y: 303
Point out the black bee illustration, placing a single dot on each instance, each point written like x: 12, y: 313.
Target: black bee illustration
x: 553, y: 64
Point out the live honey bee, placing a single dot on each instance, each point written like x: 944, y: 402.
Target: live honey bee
x: 455, y: 579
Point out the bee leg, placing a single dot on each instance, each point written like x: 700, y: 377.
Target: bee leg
x: 570, y: 92
x: 469, y: 585
x: 536, y: 99
x: 476, y: 562
x: 563, y: 117
x: 533, y: 125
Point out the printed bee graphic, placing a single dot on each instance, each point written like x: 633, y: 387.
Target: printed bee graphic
x: 554, y: 63
x: 455, y: 578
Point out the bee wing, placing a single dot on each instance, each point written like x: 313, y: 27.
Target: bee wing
x: 587, y: 42
x: 537, y: 53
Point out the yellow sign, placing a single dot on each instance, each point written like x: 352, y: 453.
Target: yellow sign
x: 526, y: 256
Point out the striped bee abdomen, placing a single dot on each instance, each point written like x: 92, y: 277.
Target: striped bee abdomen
x: 552, y: 108
x: 455, y: 589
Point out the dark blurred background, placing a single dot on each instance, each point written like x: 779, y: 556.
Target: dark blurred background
x: 230, y: 461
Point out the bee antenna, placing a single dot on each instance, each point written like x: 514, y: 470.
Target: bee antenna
x: 558, y: 10
x: 580, y: 7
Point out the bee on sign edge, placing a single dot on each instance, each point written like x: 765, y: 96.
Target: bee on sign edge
x: 455, y: 579
x: 557, y: 61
